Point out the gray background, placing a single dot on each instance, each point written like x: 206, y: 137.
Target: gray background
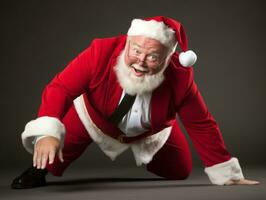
x: 39, y: 38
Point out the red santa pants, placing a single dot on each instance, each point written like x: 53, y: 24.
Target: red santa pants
x: 172, y: 161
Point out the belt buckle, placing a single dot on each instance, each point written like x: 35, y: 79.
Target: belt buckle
x: 120, y: 138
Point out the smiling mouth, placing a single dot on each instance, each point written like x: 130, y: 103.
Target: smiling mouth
x: 138, y: 72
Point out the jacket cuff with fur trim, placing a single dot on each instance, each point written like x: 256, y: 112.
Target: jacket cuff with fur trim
x: 220, y: 173
x: 42, y: 126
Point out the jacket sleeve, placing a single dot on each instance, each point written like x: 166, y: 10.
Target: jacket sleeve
x: 74, y: 80
x: 58, y: 96
x: 206, y: 136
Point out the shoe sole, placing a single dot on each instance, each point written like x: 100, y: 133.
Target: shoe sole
x: 19, y: 186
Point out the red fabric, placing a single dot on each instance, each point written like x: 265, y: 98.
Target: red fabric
x: 202, y: 128
x: 175, y: 154
x: 177, y: 27
x: 92, y: 73
x: 76, y: 141
x: 173, y: 160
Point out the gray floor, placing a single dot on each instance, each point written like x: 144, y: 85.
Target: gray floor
x: 132, y: 183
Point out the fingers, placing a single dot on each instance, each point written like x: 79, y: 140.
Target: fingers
x: 35, y: 158
x: 41, y: 157
x: 45, y: 151
x: 230, y: 182
x: 60, y: 155
x: 242, y: 182
x: 44, y: 160
x: 254, y: 182
x: 51, y: 157
x: 247, y: 182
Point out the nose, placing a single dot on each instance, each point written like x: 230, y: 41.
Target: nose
x: 142, y: 59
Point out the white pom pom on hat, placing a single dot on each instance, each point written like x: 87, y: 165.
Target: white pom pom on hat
x: 187, y: 58
x: 168, y: 31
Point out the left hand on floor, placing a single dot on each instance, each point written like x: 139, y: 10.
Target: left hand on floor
x: 242, y: 182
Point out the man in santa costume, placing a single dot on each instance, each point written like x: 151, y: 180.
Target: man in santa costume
x: 125, y: 92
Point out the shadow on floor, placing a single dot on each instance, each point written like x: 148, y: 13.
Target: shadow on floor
x: 119, y: 183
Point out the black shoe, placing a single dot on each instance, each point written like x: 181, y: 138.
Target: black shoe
x: 30, y: 178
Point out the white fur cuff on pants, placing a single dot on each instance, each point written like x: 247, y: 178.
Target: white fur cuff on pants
x: 223, y: 172
x: 48, y: 126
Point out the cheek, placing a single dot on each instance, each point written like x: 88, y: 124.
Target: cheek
x: 128, y: 61
x: 154, y: 70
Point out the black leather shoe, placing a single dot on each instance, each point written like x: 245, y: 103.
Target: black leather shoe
x: 30, y: 178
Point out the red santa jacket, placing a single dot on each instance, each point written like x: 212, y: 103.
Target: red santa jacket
x: 92, y: 74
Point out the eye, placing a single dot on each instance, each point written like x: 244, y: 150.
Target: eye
x: 136, y: 51
x: 153, y: 58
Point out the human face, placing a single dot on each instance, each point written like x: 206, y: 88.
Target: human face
x: 145, y: 56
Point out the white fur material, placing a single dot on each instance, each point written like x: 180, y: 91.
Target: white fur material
x: 153, y: 29
x: 143, y: 149
x: 223, y: 172
x: 48, y: 126
x: 96, y: 134
x: 161, y: 32
x: 187, y: 58
x: 136, y: 85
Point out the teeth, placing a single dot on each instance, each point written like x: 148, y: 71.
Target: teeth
x: 139, y: 70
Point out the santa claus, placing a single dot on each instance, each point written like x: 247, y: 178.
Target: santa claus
x: 125, y: 92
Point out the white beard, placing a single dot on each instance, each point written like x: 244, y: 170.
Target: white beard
x: 133, y: 84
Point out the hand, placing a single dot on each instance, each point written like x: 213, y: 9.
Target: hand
x: 242, y: 182
x: 45, y: 150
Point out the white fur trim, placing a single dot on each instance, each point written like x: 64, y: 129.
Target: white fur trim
x: 143, y: 149
x: 48, y: 126
x: 153, y: 29
x: 111, y: 147
x: 223, y: 172
x: 187, y: 58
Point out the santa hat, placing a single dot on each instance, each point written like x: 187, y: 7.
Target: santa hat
x: 168, y: 31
